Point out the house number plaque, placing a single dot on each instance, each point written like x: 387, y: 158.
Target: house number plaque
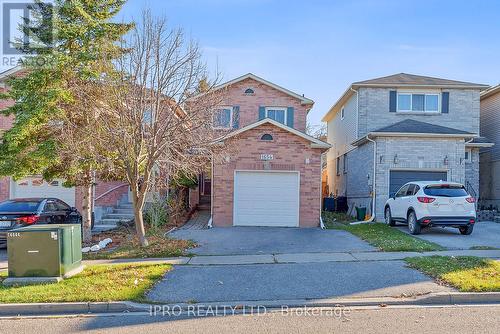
x: 266, y: 157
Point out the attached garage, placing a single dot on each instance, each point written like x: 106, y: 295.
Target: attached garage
x: 266, y: 198
x: 37, y: 187
x: 398, y: 178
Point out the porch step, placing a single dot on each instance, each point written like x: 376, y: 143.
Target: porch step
x: 125, y: 206
x: 123, y: 211
x: 204, y: 206
x: 111, y: 221
x: 122, y: 216
x: 497, y: 219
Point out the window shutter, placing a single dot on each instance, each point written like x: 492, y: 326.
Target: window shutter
x: 262, y: 113
x: 289, y: 116
x: 236, y: 117
x: 393, y: 101
x: 445, y: 102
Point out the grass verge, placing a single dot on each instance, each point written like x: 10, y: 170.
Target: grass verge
x: 386, y: 238
x: 97, y: 283
x: 126, y: 246
x: 466, y: 273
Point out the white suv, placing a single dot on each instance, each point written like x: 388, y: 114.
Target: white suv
x: 431, y: 203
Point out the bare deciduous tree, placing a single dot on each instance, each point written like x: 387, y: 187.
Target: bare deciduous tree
x: 150, y: 120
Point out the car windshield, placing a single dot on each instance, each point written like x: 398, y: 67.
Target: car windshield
x: 19, y: 206
x: 445, y: 190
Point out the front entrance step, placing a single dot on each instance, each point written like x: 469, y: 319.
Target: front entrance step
x: 125, y: 206
x: 122, y: 216
x: 124, y: 211
x: 204, y: 207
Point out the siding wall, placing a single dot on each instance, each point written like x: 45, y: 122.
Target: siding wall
x: 358, y: 186
x: 490, y: 158
x: 490, y: 123
x: 341, y: 133
x: 374, y: 111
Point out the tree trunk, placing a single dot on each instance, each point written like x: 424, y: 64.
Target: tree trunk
x: 87, y: 213
x: 138, y: 203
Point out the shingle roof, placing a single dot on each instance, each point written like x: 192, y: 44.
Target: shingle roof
x: 406, y: 79
x: 412, y: 126
x: 480, y: 140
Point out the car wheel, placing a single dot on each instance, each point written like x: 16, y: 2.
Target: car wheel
x: 388, y: 217
x: 466, y: 230
x: 413, y: 224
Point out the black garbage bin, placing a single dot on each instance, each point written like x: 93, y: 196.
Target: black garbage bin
x: 329, y: 204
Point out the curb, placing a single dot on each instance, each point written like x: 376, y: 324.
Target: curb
x: 440, y: 298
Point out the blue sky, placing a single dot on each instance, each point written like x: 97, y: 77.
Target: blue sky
x: 318, y: 47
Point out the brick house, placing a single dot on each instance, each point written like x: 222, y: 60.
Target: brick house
x: 388, y: 131
x: 107, y: 194
x: 272, y: 177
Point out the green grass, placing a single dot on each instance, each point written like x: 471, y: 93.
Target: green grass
x: 96, y: 283
x: 385, y: 238
x: 466, y: 273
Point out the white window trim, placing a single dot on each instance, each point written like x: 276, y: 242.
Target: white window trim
x: 230, y: 118
x: 425, y: 93
x: 342, y: 113
x: 285, y: 109
x: 469, y: 158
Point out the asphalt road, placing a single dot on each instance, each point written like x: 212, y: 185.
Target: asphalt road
x: 453, y: 319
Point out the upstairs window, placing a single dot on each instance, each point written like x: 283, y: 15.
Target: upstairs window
x: 266, y: 136
x: 342, y: 113
x: 277, y: 113
x: 249, y: 91
x: 223, y: 118
x: 338, y: 166
x: 418, y: 102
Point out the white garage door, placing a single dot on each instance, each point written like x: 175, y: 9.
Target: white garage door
x: 37, y: 187
x: 264, y: 198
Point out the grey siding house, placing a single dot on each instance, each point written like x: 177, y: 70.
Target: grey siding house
x: 388, y: 131
x: 490, y: 157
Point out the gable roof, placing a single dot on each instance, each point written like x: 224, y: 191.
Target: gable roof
x: 304, y: 100
x: 315, y: 143
x: 10, y: 72
x: 405, y: 79
x: 412, y: 128
x: 490, y: 91
x: 399, y: 80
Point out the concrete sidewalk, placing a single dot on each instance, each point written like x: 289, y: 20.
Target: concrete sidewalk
x: 292, y: 258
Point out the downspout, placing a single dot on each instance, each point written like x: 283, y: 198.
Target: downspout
x: 374, y: 208
x: 211, y: 192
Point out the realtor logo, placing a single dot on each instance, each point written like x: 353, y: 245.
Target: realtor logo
x: 31, y: 16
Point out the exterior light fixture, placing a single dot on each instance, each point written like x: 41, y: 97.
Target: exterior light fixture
x: 396, y: 159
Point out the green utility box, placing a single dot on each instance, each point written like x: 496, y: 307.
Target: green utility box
x: 44, y: 250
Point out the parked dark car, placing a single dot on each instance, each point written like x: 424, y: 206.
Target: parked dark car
x: 22, y: 212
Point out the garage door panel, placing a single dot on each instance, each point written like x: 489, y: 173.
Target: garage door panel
x: 398, y: 178
x: 266, y: 198
x: 37, y: 187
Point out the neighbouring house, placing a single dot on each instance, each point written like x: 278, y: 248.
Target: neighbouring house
x: 490, y: 157
x: 107, y: 194
x: 272, y: 175
x: 388, y: 131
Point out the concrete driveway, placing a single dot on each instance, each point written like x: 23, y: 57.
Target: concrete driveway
x: 291, y: 281
x: 270, y: 240
x: 485, y: 234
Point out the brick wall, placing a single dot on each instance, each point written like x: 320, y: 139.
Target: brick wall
x: 374, y: 111
x: 264, y: 96
x: 416, y: 154
x: 290, y: 153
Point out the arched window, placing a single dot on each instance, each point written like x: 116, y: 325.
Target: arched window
x: 249, y: 91
x: 267, y: 136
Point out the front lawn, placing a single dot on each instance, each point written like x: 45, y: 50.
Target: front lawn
x: 386, y: 238
x: 466, y: 273
x: 97, y: 283
x: 126, y: 246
